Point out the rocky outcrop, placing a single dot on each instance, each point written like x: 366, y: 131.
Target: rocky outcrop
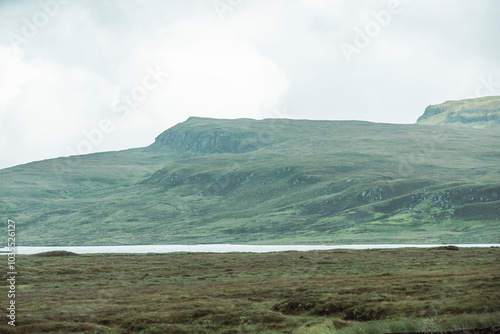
x: 431, y: 111
x: 478, y: 113
x: 206, y: 136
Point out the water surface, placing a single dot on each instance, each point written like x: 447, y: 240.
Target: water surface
x: 214, y: 248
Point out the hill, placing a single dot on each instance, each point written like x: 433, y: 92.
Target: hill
x: 477, y: 113
x: 267, y: 181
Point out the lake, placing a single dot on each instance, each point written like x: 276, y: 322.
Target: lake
x: 214, y: 248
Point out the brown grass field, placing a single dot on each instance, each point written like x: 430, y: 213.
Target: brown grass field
x: 336, y: 291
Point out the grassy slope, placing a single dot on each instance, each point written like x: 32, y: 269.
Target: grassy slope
x: 259, y: 293
x: 271, y: 181
x: 477, y: 113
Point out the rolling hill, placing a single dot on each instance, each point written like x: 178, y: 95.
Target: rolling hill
x: 270, y: 181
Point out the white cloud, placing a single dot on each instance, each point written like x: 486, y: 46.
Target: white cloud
x: 263, y: 57
x: 211, y: 74
x: 44, y: 106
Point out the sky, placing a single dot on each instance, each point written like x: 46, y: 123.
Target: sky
x: 78, y: 77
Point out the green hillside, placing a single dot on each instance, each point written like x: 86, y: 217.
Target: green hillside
x: 268, y: 181
x: 476, y: 113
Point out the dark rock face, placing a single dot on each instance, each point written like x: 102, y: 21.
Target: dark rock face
x: 467, y: 120
x: 216, y: 141
x: 196, y: 137
x: 431, y: 111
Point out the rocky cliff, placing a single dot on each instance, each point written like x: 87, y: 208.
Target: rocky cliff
x: 477, y: 113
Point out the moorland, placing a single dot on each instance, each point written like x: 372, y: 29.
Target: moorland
x: 316, y: 292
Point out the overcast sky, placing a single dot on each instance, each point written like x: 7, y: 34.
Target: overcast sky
x: 90, y: 76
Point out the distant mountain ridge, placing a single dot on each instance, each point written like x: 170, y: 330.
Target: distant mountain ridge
x: 271, y: 181
x: 477, y: 113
